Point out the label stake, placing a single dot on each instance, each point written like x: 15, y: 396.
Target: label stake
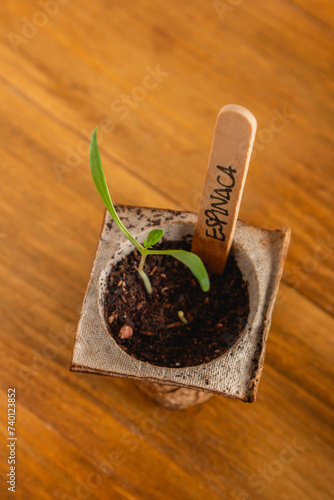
x: 228, y: 165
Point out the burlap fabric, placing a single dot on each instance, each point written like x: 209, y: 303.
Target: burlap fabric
x: 260, y: 255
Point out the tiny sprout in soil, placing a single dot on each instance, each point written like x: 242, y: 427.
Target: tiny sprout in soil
x: 191, y: 260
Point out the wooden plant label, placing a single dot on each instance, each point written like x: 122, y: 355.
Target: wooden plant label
x: 228, y: 164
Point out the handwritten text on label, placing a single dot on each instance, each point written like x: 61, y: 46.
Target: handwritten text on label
x: 218, y: 211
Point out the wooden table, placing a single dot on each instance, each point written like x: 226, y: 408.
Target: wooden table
x: 154, y: 75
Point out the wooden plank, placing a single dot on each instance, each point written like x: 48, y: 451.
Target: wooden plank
x: 97, y: 406
x: 282, y: 119
x: 80, y: 67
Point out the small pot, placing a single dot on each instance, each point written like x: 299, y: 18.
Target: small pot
x: 260, y: 254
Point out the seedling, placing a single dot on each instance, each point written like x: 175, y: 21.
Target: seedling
x: 191, y: 260
x: 182, y: 317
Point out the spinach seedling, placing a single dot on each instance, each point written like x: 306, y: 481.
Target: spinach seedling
x: 190, y: 259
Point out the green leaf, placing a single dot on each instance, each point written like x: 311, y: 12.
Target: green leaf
x: 153, y: 237
x: 192, y: 261
x: 102, y: 188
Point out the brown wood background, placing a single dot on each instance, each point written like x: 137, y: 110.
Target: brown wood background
x: 87, y: 437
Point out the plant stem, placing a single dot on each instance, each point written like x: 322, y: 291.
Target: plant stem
x: 142, y: 262
x: 143, y: 275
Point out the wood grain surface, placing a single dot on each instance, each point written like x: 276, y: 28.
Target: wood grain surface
x: 153, y: 75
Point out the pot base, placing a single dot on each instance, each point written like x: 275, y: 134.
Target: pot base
x: 172, y: 396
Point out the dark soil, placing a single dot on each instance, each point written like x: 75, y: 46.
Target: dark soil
x: 216, y: 318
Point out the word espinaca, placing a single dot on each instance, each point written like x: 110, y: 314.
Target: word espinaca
x: 218, y: 211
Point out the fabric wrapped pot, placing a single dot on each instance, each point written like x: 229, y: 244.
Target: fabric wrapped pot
x: 260, y: 255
